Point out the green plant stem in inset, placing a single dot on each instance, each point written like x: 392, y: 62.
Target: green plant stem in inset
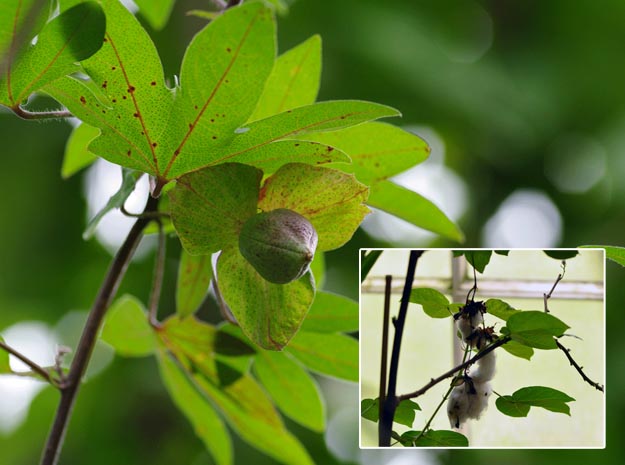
x: 467, y: 349
x: 89, y: 336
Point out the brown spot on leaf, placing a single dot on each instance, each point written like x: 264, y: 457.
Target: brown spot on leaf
x: 153, y: 83
x: 104, y: 84
x: 296, y: 145
x: 131, y: 89
x: 114, y: 100
x: 128, y: 152
x: 124, y: 97
x: 154, y: 144
x: 214, y: 137
x: 113, y: 68
x: 177, y: 152
x: 105, y: 40
x: 190, y: 125
x: 136, y: 115
x: 228, y: 49
x: 83, y: 100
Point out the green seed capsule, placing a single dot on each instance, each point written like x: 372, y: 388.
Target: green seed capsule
x: 279, y: 244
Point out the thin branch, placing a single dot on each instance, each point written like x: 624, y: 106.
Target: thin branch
x: 448, y: 374
x: 148, y: 215
x: 473, y: 289
x: 579, y: 369
x: 546, y: 297
x: 385, y: 426
x: 89, y: 336
x: 33, y: 366
x: 159, y: 271
x: 384, y: 357
x: 25, y: 114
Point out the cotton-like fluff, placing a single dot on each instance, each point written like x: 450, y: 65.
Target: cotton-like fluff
x: 485, y: 368
x: 470, y: 399
x: 468, y: 323
x: 467, y: 401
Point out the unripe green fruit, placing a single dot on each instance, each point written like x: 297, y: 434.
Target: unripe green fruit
x: 279, y: 244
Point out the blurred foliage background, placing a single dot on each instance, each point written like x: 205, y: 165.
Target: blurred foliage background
x: 523, y: 104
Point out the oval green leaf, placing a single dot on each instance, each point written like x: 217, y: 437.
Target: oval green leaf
x: 194, y: 275
x: 127, y: 329
x: 292, y: 389
x: 329, y: 354
x: 331, y: 313
x: 434, y: 304
x: 414, y: 208
x: 536, y: 329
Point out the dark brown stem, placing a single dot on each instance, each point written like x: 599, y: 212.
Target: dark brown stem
x: 546, y: 297
x: 33, y: 366
x: 385, y: 426
x: 89, y: 336
x: 25, y: 114
x: 567, y: 352
x: 387, y: 305
x: 157, y: 283
x: 448, y: 374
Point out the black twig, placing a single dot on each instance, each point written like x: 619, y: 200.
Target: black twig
x: 385, y: 426
x: 384, y: 358
x: 572, y: 361
x: 448, y: 374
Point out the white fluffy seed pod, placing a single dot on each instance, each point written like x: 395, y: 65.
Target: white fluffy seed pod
x: 467, y: 324
x: 466, y: 401
x: 485, y: 368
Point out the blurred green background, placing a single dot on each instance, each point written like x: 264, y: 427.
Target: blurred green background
x: 523, y: 104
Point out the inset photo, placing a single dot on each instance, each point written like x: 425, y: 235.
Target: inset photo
x: 482, y: 348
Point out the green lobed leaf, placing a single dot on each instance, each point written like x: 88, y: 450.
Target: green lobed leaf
x: 156, y: 12
x: 434, y: 304
x: 218, y: 91
x: 194, y: 275
x: 434, y: 438
x: 294, y: 80
x: 367, y: 260
x: 291, y: 387
x: 616, y: 254
x: 126, y: 97
x: 329, y: 354
x: 519, y: 403
x: 536, y: 329
x: 20, y: 21
x: 322, y: 116
x: 561, y: 254
x: 242, y: 401
x: 518, y: 350
x: 270, y: 157
x: 331, y: 200
x: 72, y: 36
x: 500, y: 309
x: 5, y: 366
x: 269, y: 314
x: 331, y: 313
x: 192, y: 402
x: 209, y: 207
x: 77, y: 155
x: 129, y: 180
x: 478, y: 258
x: 377, y: 150
x: 127, y: 329
x: 414, y: 208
